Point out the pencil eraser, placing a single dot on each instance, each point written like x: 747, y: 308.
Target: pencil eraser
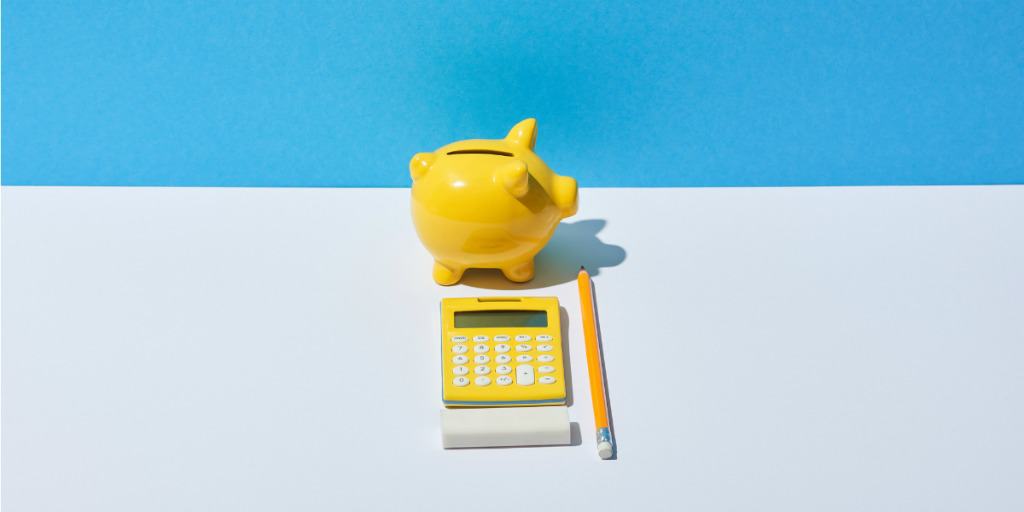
x: 604, y: 450
x: 505, y: 426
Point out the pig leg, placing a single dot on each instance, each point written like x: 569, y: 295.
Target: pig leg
x: 447, y: 276
x: 519, y: 273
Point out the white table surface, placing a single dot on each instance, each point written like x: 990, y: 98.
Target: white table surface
x: 276, y: 349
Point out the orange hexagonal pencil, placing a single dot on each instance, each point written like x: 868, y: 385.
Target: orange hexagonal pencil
x: 605, y: 441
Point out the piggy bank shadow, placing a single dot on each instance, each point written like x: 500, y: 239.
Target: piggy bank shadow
x: 573, y: 244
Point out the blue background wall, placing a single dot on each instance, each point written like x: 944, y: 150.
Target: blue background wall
x: 651, y: 94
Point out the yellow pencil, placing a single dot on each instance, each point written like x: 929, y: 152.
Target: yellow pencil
x: 605, y: 442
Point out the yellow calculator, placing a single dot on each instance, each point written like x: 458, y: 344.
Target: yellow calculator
x: 501, y: 351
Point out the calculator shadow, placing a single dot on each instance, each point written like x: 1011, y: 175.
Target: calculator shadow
x: 566, y: 358
x: 575, y: 438
x: 573, y: 244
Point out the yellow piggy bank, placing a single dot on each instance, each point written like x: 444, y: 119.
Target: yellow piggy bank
x: 488, y: 204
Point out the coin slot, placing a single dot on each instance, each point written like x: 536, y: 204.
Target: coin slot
x: 480, y: 152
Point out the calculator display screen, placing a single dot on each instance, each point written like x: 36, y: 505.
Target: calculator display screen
x: 501, y: 318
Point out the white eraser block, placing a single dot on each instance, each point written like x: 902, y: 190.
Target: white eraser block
x: 505, y: 426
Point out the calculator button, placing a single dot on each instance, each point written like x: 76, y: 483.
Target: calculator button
x: 503, y: 369
x: 459, y: 339
x: 523, y: 337
x: 544, y: 337
x: 502, y: 348
x: 482, y: 370
x: 547, y: 379
x: 481, y: 348
x: 546, y: 358
x: 524, y: 358
x: 504, y: 380
x: 501, y: 337
x: 523, y: 348
x: 460, y: 370
x: 545, y: 348
x: 503, y: 358
x: 524, y: 375
x: 481, y: 359
x: 460, y: 349
x: 460, y: 359
x: 480, y: 338
x: 546, y: 369
x: 482, y: 381
x: 460, y: 381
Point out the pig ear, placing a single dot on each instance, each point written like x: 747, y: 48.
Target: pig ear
x: 523, y: 134
x: 513, y: 177
x: 420, y: 164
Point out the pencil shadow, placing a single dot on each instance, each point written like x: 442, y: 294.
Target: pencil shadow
x: 572, y: 245
x: 604, y: 375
